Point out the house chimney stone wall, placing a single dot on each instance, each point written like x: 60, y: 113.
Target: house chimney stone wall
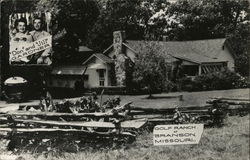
x: 120, y: 61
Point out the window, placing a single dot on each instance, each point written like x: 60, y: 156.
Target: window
x: 101, y: 73
x: 191, y: 70
x: 101, y: 77
x: 101, y: 82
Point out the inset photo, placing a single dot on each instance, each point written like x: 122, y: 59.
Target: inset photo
x: 30, y: 38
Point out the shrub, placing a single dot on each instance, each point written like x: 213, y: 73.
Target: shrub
x: 169, y: 86
x: 219, y: 80
x: 185, y: 84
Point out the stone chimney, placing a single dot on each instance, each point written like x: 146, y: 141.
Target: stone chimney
x: 120, y: 68
x: 118, y: 39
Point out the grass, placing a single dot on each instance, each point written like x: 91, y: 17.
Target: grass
x: 230, y: 142
x: 189, y: 98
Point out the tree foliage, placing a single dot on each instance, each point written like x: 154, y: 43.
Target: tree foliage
x: 75, y: 18
x: 239, y: 40
x: 117, y: 15
x: 92, y: 22
x: 75, y: 15
x: 206, y: 19
x: 133, y: 16
x: 150, y: 70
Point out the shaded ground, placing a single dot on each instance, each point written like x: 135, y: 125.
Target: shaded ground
x: 189, y: 99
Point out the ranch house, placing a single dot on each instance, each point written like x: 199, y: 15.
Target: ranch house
x: 109, y: 68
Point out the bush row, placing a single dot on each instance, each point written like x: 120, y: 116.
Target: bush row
x: 214, y: 81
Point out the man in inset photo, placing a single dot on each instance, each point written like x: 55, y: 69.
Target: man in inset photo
x: 42, y: 57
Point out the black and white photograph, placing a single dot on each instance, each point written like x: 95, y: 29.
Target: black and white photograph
x: 124, y: 79
x: 30, y: 43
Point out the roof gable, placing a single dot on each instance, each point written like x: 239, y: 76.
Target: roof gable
x: 68, y: 70
x: 100, y: 56
x: 84, y: 49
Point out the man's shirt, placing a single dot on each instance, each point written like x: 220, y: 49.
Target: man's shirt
x: 36, y: 35
x: 39, y: 34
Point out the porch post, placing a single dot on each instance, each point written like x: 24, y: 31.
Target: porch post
x: 199, y: 72
x: 106, y: 77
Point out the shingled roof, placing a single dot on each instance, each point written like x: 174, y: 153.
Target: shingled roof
x: 100, y: 56
x: 197, y: 51
x: 69, y: 70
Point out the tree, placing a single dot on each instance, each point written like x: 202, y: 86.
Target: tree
x: 133, y: 16
x: 150, y: 70
x: 206, y: 19
x: 239, y: 40
x: 75, y: 18
x: 75, y: 15
x: 129, y: 15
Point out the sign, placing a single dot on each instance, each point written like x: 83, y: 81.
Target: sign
x: 177, y: 134
x: 20, y: 51
x: 30, y: 39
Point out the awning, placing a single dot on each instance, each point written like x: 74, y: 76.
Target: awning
x: 97, y: 66
x: 84, y: 49
x: 68, y: 70
x: 15, y: 80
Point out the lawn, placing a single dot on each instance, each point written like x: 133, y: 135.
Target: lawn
x: 229, y: 142
x: 189, y: 98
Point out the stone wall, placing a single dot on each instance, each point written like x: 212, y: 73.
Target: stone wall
x: 120, y: 70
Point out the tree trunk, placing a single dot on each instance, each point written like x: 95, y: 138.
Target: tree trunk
x: 150, y: 96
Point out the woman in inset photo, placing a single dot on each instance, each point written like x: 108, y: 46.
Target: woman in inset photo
x: 20, y: 38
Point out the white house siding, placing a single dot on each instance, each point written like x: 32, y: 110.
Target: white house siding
x: 93, y: 75
x: 108, y: 79
x: 93, y: 79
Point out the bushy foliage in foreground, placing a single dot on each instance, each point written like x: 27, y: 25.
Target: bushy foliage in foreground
x: 215, y: 81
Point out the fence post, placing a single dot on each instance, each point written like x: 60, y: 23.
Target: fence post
x: 181, y: 97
